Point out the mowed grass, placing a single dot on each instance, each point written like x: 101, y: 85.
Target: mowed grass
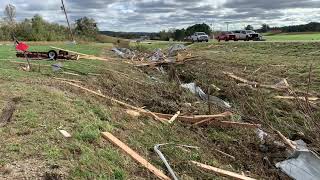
x: 293, y: 37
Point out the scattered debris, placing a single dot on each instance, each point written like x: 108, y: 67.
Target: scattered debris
x: 200, y: 93
x: 134, y: 155
x: 71, y: 80
x: 124, y: 53
x: 8, y: 111
x: 65, y: 134
x: 222, y: 172
x: 302, y: 165
x: 174, y: 49
x: 157, y: 55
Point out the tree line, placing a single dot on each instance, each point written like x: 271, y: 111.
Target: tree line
x: 38, y: 29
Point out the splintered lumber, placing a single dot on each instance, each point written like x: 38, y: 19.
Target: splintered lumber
x: 222, y: 172
x: 174, y: 117
x: 134, y: 155
x: 82, y: 55
x: 133, y: 113
x: 301, y: 98
x: 119, y: 102
x: 65, y: 134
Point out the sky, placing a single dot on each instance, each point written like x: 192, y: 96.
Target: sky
x: 156, y: 15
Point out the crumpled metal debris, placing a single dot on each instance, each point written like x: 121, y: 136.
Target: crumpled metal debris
x: 124, y: 53
x: 175, y: 48
x: 158, y: 55
x: 302, y: 165
x: 201, y: 94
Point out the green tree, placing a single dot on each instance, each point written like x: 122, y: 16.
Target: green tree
x: 249, y: 27
x: 179, y: 34
x: 265, y: 28
x: 86, y: 27
x: 198, y: 28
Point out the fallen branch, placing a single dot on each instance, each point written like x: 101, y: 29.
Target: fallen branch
x: 65, y: 134
x: 222, y: 172
x: 119, y: 102
x: 134, y: 155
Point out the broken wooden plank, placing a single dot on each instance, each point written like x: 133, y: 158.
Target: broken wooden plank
x: 300, y: 98
x: 174, y: 117
x: 203, y: 122
x: 163, y: 120
x: 222, y: 172
x: 65, y: 133
x: 134, y: 155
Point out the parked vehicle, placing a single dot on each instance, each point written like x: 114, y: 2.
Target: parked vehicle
x: 200, y: 37
x: 247, y: 35
x: 226, y: 36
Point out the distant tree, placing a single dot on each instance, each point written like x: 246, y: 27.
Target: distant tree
x: 198, y: 28
x: 265, y: 28
x: 10, y: 15
x: 86, y: 27
x: 179, y: 34
x: 249, y: 27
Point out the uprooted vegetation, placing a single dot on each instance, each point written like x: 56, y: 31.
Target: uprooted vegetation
x: 31, y: 138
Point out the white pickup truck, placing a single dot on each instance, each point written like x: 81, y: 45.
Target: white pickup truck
x: 200, y: 37
x: 247, y: 35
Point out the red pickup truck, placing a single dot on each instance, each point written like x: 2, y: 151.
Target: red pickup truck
x: 226, y: 36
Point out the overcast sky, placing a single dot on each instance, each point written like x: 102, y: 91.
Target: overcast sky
x: 156, y: 15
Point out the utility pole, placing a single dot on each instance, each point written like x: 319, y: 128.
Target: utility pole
x: 65, y: 12
x: 227, y: 25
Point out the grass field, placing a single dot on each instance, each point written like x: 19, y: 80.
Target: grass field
x: 31, y: 146
x: 293, y: 37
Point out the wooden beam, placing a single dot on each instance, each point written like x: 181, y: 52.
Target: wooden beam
x: 134, y: 155
x: 82, y: 55
x: 222, y: 172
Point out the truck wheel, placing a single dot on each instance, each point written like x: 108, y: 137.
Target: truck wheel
x: 219, y: 40
x: 207, y: 40
x: 247, y: 39
x: 52, y: 55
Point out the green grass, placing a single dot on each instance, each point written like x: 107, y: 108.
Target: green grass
x: 48, y: 105
x: 293, y: 37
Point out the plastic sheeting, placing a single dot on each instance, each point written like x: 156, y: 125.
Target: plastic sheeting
x: 201, y: 94
x: 303, y: 164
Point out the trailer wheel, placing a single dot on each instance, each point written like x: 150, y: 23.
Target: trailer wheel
x: 52, y: 55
